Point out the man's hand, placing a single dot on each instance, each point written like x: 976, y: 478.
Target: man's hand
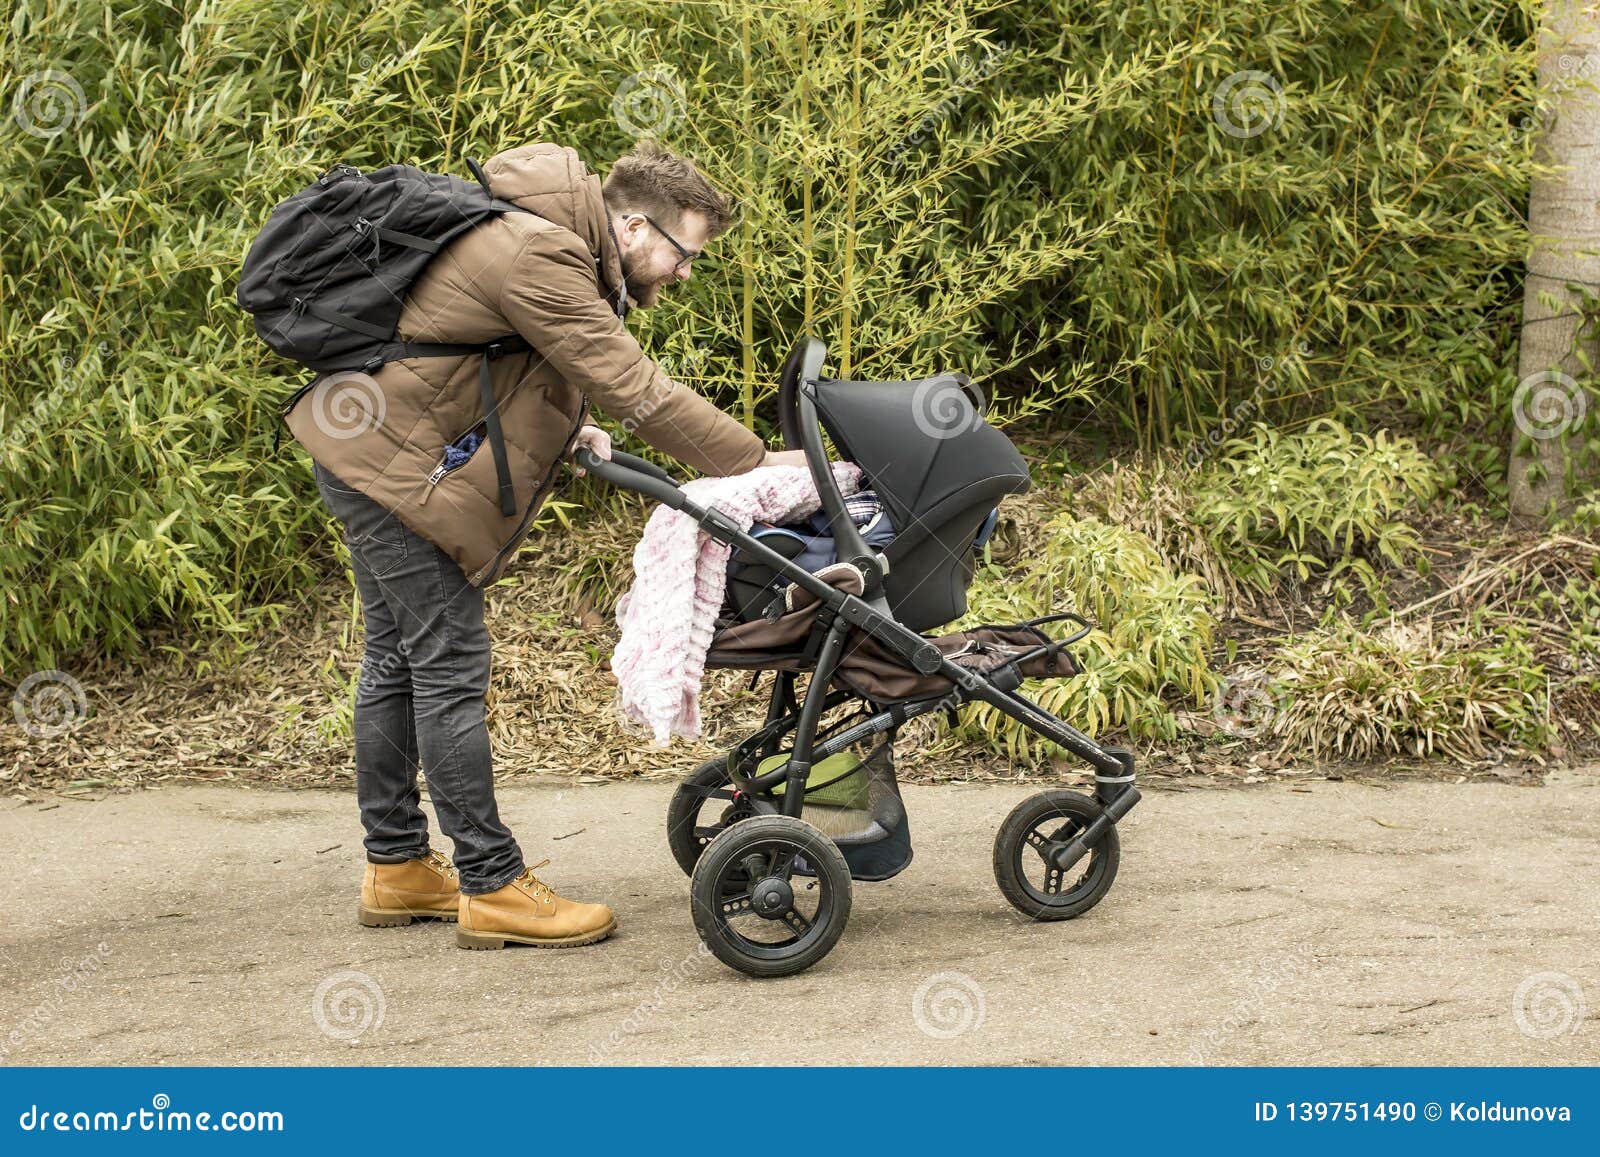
x: 596, y: 439
x: 784, y: 458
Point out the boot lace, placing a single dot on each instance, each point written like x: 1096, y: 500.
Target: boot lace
x: 537, y: 887
x: 441, y: 862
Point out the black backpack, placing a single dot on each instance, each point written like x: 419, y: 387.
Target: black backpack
x: 327, y: 276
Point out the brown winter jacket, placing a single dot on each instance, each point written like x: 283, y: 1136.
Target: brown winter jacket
x: 553, y: 278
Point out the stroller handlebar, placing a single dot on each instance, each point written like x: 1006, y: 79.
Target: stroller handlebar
x: 632, y: 473
x: 802, y: 429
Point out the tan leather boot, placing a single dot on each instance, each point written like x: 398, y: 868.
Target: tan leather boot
x: 395, y: 894
x: 526, y: 911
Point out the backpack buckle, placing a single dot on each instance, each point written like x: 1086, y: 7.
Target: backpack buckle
x: 493, y: 350
x: 373, y: 364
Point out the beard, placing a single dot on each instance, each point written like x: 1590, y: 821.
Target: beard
x: 644, y: 293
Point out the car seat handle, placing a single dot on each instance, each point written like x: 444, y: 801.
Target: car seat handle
x: 797, y: 400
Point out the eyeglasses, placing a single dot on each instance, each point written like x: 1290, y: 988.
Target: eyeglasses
x: 686, y: 255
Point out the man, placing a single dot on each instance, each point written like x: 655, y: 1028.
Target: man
x: 414, y: 484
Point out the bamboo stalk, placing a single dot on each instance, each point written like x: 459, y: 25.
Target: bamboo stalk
x: 807, y: 224
x: 748, y: 333
x: 461, y: 72
x: 852, y: 183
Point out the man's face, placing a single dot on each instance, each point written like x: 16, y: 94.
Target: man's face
x: 650, y: 261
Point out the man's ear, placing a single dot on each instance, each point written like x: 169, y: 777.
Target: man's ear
x: 626, y: 226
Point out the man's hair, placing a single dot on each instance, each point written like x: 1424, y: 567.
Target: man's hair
x: 651, y: 180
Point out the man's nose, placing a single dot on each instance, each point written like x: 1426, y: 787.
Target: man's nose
x: 684, y: 272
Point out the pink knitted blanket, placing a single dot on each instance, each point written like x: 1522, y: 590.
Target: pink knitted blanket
x: 680, y: 572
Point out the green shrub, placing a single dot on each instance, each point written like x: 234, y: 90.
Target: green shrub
x: 1362, y: 692
x: 1321, y: 504
x: 1318, y: 503
x: 1152, y: 633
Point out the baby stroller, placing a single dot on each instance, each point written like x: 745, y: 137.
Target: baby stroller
x: 773, y: 834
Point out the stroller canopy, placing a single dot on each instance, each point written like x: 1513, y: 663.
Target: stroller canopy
x: 938, y: 467
x: 924, y: 445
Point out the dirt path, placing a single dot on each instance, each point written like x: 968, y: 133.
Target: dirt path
x: 1322, y: 923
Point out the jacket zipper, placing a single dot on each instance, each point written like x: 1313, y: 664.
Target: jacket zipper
x: 527, y: 515
x: 444, y: 466
x: 435, y: 478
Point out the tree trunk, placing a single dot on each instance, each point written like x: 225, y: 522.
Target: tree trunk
x: 1564, y: 245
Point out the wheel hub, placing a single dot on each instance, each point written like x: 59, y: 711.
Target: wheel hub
x: 772, y: 897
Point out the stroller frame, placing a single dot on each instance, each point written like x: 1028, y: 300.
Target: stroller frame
x: 778, y: 796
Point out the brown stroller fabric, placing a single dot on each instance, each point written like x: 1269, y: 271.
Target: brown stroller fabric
x: 867, y: 667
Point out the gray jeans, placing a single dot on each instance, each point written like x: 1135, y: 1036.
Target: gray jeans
x: 420, y: 697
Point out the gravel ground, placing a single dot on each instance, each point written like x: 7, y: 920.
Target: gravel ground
x: 1297, y: 923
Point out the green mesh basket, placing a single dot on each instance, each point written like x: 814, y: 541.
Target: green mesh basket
x: 839, y: 781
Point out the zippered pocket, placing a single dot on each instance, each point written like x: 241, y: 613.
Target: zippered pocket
x: 445, y: 466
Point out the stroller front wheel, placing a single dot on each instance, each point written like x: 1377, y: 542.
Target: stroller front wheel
x: 770, y: 896
x: 1025, y: 870
x: 702, y: 809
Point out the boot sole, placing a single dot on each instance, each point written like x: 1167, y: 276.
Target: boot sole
x: 397, y: 917
x: 480, y: 941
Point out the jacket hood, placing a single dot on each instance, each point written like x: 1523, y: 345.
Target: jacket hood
x: 552, y: 181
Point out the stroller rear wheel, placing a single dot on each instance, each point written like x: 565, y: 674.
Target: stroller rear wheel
x: 1023, y: 864
x: 702, y: 809
x: 770, y: 896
